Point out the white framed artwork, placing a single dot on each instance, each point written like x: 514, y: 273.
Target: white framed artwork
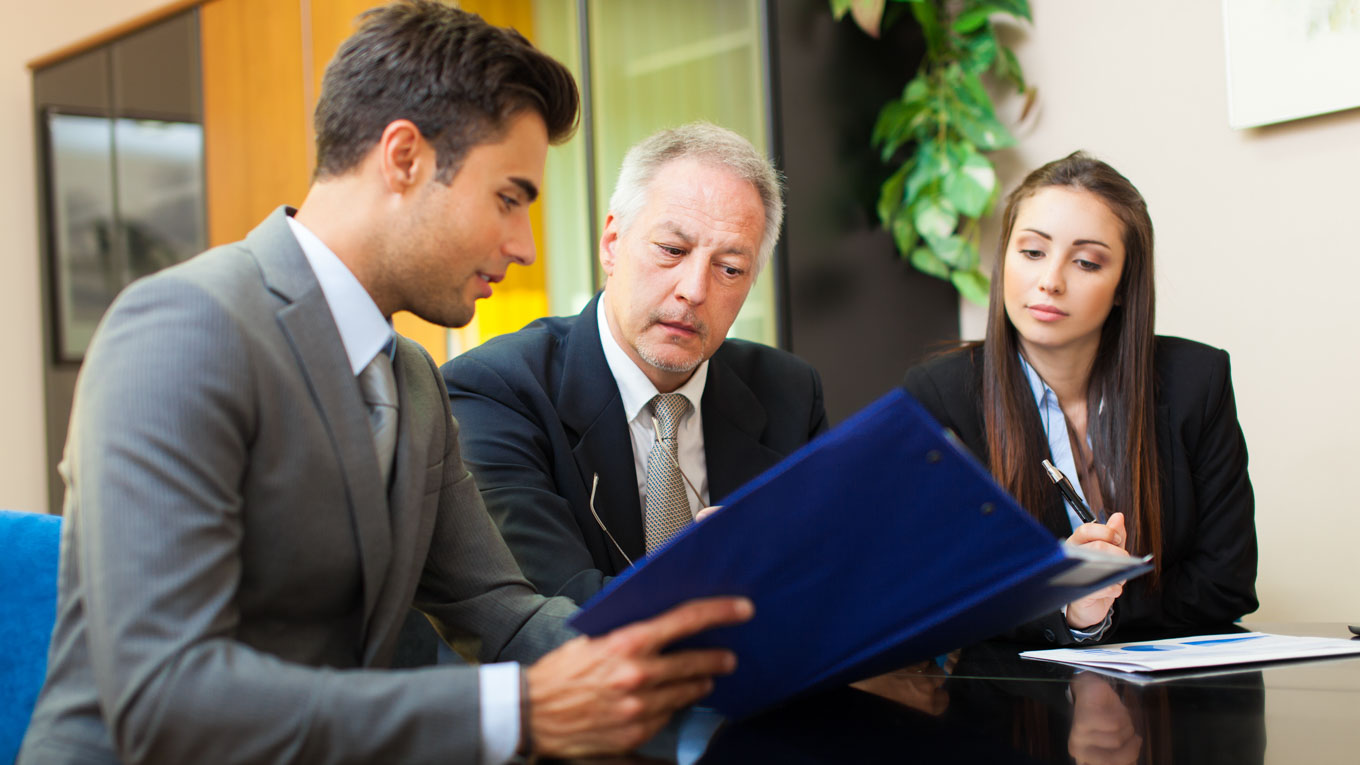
x: 1289, y: 59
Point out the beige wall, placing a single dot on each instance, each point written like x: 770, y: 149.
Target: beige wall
x: 30, y: 30
x: 1257, y: 239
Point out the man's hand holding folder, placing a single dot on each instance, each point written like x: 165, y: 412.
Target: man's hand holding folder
x: 642, y: 686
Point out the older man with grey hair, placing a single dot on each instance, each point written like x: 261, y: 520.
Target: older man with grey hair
x: 596, y: 438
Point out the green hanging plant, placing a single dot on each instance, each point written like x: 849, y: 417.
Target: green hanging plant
x: 936, y: 134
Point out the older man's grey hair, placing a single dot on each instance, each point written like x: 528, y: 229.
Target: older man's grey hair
x: 710, y: 144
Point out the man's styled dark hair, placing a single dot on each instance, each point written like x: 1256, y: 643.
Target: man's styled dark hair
x: 456, y: 77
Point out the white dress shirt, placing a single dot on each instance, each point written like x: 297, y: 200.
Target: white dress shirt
x: 636, y: 392
x: 363, y: 333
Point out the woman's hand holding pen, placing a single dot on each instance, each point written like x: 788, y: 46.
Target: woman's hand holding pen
x: 1106, y: 537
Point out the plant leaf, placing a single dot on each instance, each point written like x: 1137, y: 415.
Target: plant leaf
x: 897, y: 123
x: 839, y: 8
x: 968, y: 87
x: 935, y: 219
x: 903, y: 233
x: 971, y: 184
x: 973, y: 18
x: 1008, y: 68
x: 983, y: 130
x: 981, y: 47
x: 917, y: 91
x: 952, y: 250
x: 972, y: 284
x: 926, y: 172
x: 869, y: 15
x: 935, y: 33
x: 1017, y: 8
x: 927, y: 262
x: 890, y: 195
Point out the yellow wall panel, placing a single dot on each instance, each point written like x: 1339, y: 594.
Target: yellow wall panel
x: 263, y: 63
x: 254, y: 122
x: 523, y: 296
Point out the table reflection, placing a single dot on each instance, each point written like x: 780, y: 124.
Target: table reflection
x: 984, y: 704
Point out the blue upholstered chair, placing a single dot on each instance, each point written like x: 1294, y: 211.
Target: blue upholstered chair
x: 28, y: 607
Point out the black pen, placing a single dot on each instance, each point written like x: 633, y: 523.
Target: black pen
x: 1069, y: 493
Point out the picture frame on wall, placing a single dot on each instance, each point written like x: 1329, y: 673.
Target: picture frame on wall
x: 1289, y: 60
x: 124, y: 199
x: 85, y: 273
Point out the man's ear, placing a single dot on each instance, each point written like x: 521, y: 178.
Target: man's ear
x: 609, y: 242
x: 405, y: 157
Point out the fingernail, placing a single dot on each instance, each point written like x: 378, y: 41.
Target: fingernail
x: 731, y: 664
x: 745, y: 608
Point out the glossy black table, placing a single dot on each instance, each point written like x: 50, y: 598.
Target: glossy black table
x: 986, y: 705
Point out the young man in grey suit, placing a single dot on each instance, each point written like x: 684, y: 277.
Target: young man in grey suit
x: 261, y: 479
x: 596, y: 438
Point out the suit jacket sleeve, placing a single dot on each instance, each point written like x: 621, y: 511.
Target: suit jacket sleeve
x: 1210, y: 576
x: 948, y: 389
x: 471, y: 580
x: 161, y: 437
x: 516, y: 468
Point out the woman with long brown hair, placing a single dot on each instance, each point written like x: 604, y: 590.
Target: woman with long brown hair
x: 1144, y: 426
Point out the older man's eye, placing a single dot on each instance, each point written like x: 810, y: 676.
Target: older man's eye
x: 669, y: 250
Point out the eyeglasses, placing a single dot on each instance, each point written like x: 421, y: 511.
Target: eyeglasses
x: 595, y: 485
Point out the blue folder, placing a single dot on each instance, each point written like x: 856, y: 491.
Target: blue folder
x: 880, y: 543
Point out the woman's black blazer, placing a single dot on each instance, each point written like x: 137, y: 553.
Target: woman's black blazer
x: 1208, y: 513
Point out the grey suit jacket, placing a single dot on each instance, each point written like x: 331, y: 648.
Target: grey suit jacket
x: 233, y: 576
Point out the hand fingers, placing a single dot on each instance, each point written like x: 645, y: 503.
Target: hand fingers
x: 1102, y: 597
x: 1116, y: 522
x: 1106, y: 547
x: 1087, y: 533
x: 682, y: 666
x: 707, y: 511
x: 666, y: 699
x: 686, y: 619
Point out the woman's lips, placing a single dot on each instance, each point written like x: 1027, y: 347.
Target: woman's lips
x: 1046, y: 312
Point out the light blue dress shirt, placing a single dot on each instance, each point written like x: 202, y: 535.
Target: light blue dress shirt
x: 1060, y: 453
x: 364, y: 332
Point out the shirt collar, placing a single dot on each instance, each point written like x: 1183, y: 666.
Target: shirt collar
x: 1042, y: 393
x: 363, y: 330
x: 635, y: 389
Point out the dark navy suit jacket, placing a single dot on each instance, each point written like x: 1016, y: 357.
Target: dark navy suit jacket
x: 1208, y: 513
x: 541, y: 417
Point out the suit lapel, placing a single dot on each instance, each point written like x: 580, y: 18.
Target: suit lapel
x: 315, y: 342
x: 592, y: 411
x: 734, y: 420
x: 410, y: 523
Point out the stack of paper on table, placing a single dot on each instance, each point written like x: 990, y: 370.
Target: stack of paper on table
x: 1198, y: 651
x: 879, y: 544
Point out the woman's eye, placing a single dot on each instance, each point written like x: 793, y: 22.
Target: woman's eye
x: 1032, y: 254
x: 1087, y: 265
x: 509, y: 201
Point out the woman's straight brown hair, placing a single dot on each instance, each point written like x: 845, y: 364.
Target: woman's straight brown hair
x: 1123, y: 429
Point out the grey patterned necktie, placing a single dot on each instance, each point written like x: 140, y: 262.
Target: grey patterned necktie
x: 667, y: 504
x: 378, y: 385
